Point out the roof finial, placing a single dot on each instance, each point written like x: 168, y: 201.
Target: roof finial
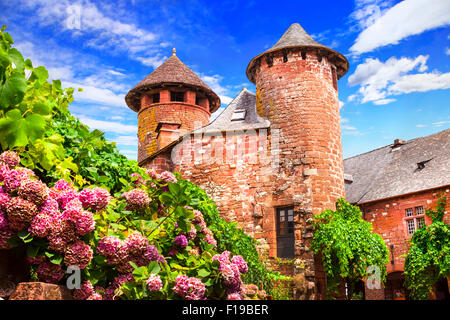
x: 174, y: 51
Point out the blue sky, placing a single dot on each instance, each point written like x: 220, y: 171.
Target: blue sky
x: 398, y: 84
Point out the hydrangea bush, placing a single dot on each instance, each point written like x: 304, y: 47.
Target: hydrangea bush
x: 144, y: 242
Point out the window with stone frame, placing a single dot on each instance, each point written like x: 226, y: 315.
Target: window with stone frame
x: 415, y: 219
x: 285, y: 232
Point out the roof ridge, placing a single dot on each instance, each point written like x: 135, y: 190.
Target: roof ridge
x: 407, y: 141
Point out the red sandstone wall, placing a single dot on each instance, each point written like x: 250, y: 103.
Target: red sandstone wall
x: 149, y: 116
x: 389, y: 220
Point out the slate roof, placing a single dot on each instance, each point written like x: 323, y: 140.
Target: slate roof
x: 387, y: 172
x: 244, y: 101
x: 296, y: 37
x: 172, y: 72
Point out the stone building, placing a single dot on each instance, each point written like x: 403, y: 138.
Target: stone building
x: 272, y: 159
x: 393, y: 186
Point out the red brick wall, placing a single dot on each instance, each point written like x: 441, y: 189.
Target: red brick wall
x: 188, y: 115
x: 388, y: 218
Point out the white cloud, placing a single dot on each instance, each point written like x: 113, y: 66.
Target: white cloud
x: 116, y: 73
x: 214, y: 83
x: 341, y: 104
x: 153, y: 61
x: 406, y: 18
x: 109, y: 126
x: 421, y: 125
x: 440, y: 123
x: 378, y: 80
x: 126, y: 140
x: 130, y: 154
x: 383, y: 101
x: 95, y: 94
x: 101, y: 32
x: 447, y: 51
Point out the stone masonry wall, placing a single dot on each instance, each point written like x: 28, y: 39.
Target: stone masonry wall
x: 187, y: 115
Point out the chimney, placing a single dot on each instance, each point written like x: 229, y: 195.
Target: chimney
x: 398, y: 143
x: 167, y: 132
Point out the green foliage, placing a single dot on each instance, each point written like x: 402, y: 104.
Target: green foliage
x: 36, y: 123
x: 27, y: 104
x: 428, y: 258
x: 347, y: 245
x: 230, y: 237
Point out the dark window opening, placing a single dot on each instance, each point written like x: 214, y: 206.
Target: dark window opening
x: 285, y: 232
x: 304, y: 55
x: 177, y: 96
x: 333, y: 74
x: 285, y: 57
x: 319, y: 58
x: 155, y: 98
x: 269, y: 60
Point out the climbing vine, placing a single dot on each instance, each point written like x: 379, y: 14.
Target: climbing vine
x: 428, y: 258
x: 347, y: 246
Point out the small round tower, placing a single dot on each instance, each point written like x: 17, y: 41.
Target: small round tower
x: 170, y: 101
x: 296, y: 84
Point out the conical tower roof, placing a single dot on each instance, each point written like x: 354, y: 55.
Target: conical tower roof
x: 296, y: 37
x: 171, y: 72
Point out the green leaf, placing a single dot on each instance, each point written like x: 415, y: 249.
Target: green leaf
x: 203, y: 273
x: 13, y: 89
x: 32, y: 251
x: 17, y: 58
x: 154, y: 267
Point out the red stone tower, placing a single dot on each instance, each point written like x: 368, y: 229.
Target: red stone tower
x: 170, y: 101
x: 296, y: 87
x: 296, y: 83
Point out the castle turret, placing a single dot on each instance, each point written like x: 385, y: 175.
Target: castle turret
x: 170, y: 101
x: 296, y: 87
x: 296, y: 83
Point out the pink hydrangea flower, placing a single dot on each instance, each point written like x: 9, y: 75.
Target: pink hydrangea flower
x: 139, y: 180
x: 3, y: 222
x: 136, y: 243
x: 34, y: 191
x: 240, y: 262
x: 20, y: 212
x: 13, y: 179
x: 96, y: 199
x: 4, y: 199
x: 10, y: 158
x: 5, y: 235
x: 152, y: 173
x: 78, y: 253
x: 167, y: 176
x: 4, y: 170
x: 198, y: 219
x: 189, y: 288
x: 66, y: 197
x: 113, y: 249
x: 85, y: 291
x: 152, y: 253
x: 41, y: 225
x: 181, y: 286
x: 49, y: 272
x: 234, y: 296
x: 95, y: 296
x: 191, y: 234
x: 154, y: 282
x: 137, y: 199
x: 224, y: 257
x: 49, y: 207
x: 181, y: 241
x: 84, y: 223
